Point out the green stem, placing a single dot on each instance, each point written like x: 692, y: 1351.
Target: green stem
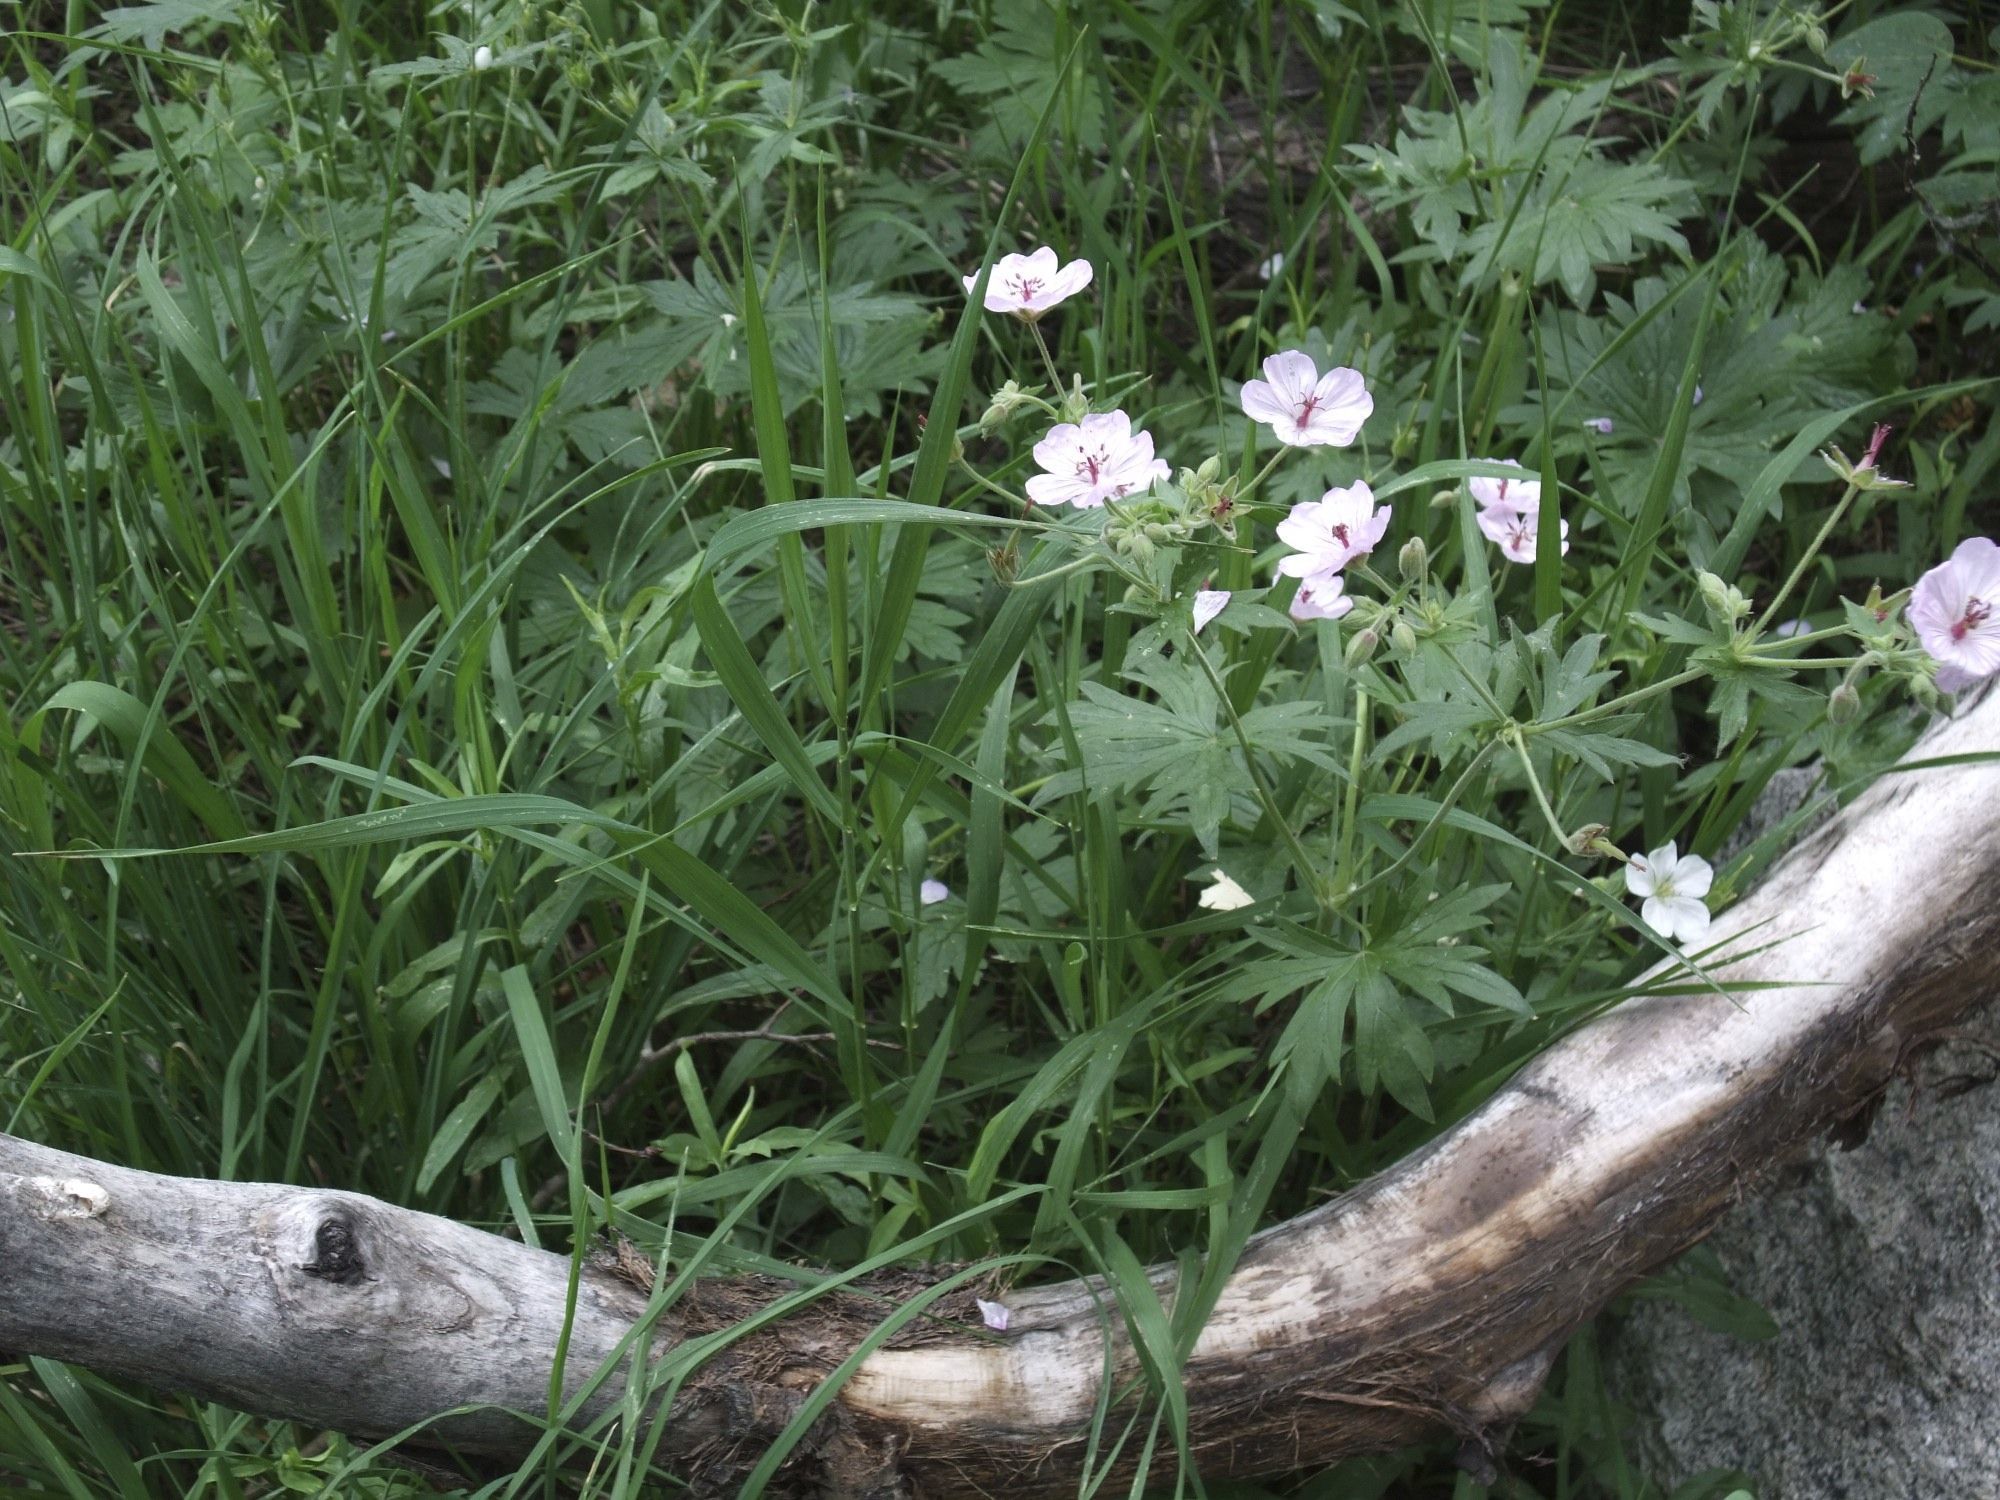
x: 1805, y: 562
x: 1451, y: 797
x: 1350, y: 804
x: 1048, y: 359
x: 1514, y: 738
x: 1618, y: 705
x: 1314, y: 882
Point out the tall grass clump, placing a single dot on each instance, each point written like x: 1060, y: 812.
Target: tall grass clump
x: 563, y: 669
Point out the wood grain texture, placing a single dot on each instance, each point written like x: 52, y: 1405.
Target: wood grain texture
x: 1429, y: 1300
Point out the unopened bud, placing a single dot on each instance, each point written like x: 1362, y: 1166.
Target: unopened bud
x: 1843, y: 704
x: 1402, y: 637
x: 1006, y: 401
x: 1584, y: 840
x: 1444, y: 499
x: 1413, y: 560
x: 1210, y: 470
x: 1725, y: 601
x: 1075, y: 405
x: 1362, y: 647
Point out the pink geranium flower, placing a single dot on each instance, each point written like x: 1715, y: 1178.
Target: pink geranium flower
x: 1100, y: 458
x: 1029, y: 285
x: 1326, y: 534
x: 1304, y: 408
x: 1515, y: 531
x: 1321, y: 597
x: 1955, y: 609
x: 1672, y: 887
x: 1520, y: 496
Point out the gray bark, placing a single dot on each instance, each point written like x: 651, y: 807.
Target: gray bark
x: 1431, y: 1299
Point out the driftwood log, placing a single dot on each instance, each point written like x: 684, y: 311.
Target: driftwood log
x: 1431, y: 1300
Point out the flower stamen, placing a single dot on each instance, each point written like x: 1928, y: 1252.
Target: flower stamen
x: 1977, y: 613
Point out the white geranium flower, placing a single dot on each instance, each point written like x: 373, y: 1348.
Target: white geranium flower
x: 1100, y: 458
x: 1208, y: 604
x: 1320, y: 597
x: 1027, y: 286
x: 1515, y: 531
x: 482, y: 58
x: 1955, y: 610
x: 1327, y: 534
x: 1304, y: 408
x: 933, y: 891
x: 1520, y: 496
x: 1226, y: 895
x: 1672, y: 887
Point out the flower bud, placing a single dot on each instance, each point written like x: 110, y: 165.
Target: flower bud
x: 1864, y: 475
x: 1843, y: 704
x: 1413, y: 560
x: 1444, y: 499
x: 1362, y: 647
x: 1075, y: 405
x: 1725, y: 601
x: 1006, y: 401
x: 1210, y: 470
x: 482, y: 58
x: 1402, y: 637
x: 1584, y: 840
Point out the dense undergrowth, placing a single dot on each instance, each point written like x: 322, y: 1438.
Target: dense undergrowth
x: 460, y: 473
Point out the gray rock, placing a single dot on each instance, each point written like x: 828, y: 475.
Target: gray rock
x: 1882, y: 1269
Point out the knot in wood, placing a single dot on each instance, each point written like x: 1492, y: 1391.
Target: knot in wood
x: 337, y: 1254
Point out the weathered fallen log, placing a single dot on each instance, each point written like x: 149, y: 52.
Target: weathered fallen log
x: 1430, y: 1300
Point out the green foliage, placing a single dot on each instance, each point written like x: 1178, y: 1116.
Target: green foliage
x: 512, y: 598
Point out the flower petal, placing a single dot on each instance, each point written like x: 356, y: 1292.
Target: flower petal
x: 1262, y: 403
x: 1693, y: 876
x: 1639, y: 878
x: 1292, y: 374
x: 1689, y: 919
x: 1225, y: 895
x: 1208, y: 603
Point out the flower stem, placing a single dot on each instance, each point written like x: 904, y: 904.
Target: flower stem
x: 1514, y: 738
x: 1048, y: 359
x: 1444, y: 809
x: 1350, y: 804
x: 1617, y: 705
x: 1811, y: 552
x: 1308, y: 872
x: 1262, y: 474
